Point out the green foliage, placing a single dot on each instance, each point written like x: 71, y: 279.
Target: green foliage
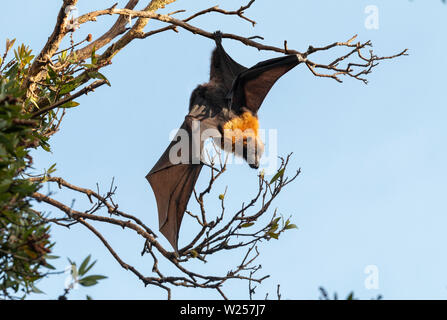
x: 79, y: 276
x: 82, y: 278
x: 193, y: 253
x: 278, y: 175
x: 25, y: 242
x: 274, y: 229
x: 67, y: 78
x: 24, y: 239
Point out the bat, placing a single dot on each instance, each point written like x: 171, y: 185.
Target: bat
x: 224, y: 109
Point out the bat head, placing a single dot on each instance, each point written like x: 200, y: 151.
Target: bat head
x: 253, y: 150
x: 241, y: 137
x: 245, y: 144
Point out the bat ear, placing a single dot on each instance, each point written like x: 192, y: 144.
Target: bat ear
x: 252, y: 86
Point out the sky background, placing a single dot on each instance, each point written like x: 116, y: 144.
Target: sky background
x: 373, y: 158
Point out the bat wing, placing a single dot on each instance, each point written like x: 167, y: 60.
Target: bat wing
x: 174, y: 176
x: 223, y: 68
x: 252, y: 85
x: 172, y: 188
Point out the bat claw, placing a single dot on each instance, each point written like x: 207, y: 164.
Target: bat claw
x: 217, y: 36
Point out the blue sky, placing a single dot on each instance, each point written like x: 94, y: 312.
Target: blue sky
x: 373, y: 183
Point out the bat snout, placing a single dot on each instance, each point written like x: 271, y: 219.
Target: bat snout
x: 254, y: 165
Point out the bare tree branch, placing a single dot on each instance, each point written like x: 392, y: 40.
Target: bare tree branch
x: 336, y: 72
x: 212, y: 236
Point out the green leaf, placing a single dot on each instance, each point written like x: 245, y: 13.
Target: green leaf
x: 49, y: 256
x: 275, y: 221
x: 83, y: 266
x: 94, y: 59
x: 291, y: 226
x: 9, y: 44
x: 247, y: 224
x: 52, y: 168
x: 91, y: 280
x: 36, y: 290
x: 70, y: 104
x: 51, y: 73
x: 87, y: 283
x: 273, y: 235
x: 193, y: 253
x: 45, y: 146
x: 68, y: 87
x: 98, y: 75
x: 49, y: 266
x: 90, y: 266
x: 62, y: 57
x: 279, y: 174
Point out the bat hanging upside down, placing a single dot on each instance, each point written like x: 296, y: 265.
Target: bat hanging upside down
x: 225, y: 109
